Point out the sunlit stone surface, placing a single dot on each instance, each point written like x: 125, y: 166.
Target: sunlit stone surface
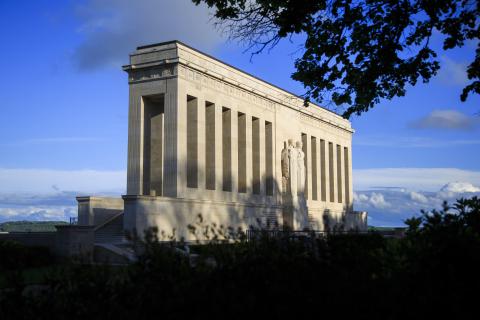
x: 206, y: 138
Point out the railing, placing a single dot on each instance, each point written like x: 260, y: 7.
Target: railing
x: 73, y: 220
x: 255, y: 234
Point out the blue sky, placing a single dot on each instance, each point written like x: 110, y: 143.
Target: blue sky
x: 64, y: 98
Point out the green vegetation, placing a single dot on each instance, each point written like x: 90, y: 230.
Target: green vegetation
x: 433, y: 269
x: 30, y: 226
x: 28, y: 263
x: 15, y: 256
x: 373, y: 228
x: 357, y: 53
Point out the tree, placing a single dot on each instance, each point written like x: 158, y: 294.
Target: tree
x: 357, y: 52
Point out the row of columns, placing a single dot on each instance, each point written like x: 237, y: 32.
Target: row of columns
x: 227, y: 150
x: 245, y: 152
x: 328, y: 170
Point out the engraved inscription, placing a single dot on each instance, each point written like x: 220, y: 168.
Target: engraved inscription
x: 150, y: 74
x: 216, y: 84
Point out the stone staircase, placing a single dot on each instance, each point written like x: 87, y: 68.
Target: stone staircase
x: 111, y: 231
x: 113, y: 254
x: 110, y: 244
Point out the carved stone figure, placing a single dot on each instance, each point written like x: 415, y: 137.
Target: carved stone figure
x: 293, y: 182
x: 300, y: 168
x: 285, y: 169
x: 300, y: 206
x: 293, y: 168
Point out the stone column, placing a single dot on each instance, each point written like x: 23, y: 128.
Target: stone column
x: 136, y: 131
x: 319, y: 170
x: 179, y: 94
x: 242, y: 153
x: 324, y: 191
x: 218, y: 148
x: 262, y: 157
x: 201, y: 143
x: 210, y: 146
x: 340, y: 175
x: 314, y: 166
x: 227, y: 151
x: 332, y: 176
x: 234, y: 133
x: 349, y: 186
x: 249, y: 154
x: 277, y: 162
x: 308, y: 165
x: 174, y: 156
x: 279, y: 144
x: 135, y: 143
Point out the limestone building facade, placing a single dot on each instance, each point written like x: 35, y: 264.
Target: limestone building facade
x: 206, y: 138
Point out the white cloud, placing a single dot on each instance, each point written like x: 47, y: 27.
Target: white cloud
x: 42, y: 180
x: 373, y: 199
x: 40, y: 213
x: 35, y: 194
x: 415, y: 179
x: 391, y: 206
x: 458, y: 187
x: 418, y: 197
x: 57, y: 205
x: 378, y: 201
x: 451, y: 189
x: 360, y: 197
x: 114, y: 28
x: 452, y: 72
x: 446, y: 119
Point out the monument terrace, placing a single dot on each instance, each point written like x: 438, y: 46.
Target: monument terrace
x: 207, y: 138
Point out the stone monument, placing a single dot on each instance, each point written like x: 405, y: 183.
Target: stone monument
x: 293, y: 181
x: 205, y: 138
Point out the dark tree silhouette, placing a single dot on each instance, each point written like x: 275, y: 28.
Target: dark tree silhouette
x: 356, y: 52
x: 433, y: 269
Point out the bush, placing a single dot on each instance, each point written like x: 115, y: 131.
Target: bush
x: 363, y: 276
x: 14, y: 256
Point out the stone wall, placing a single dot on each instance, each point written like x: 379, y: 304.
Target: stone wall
x: 205, y: 132
x: 93, y: 211
x: 41, y: 239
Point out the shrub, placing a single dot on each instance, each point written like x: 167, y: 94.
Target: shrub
x: 14, y: 255
x: 349, y: 275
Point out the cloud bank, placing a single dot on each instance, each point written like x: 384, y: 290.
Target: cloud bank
x: 54, y: 206
x: 112, y: 29
x: 416, y: 179
x: 390, y: 195
x: 57, y: 206
x: 45, y: 194
x: 390, y: 207
x: 37, y: 213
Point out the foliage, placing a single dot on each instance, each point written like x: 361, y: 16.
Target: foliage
x: 357, y: 52
x: 445, y: 244
x: 433, y: 268
x: 14, y: 256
